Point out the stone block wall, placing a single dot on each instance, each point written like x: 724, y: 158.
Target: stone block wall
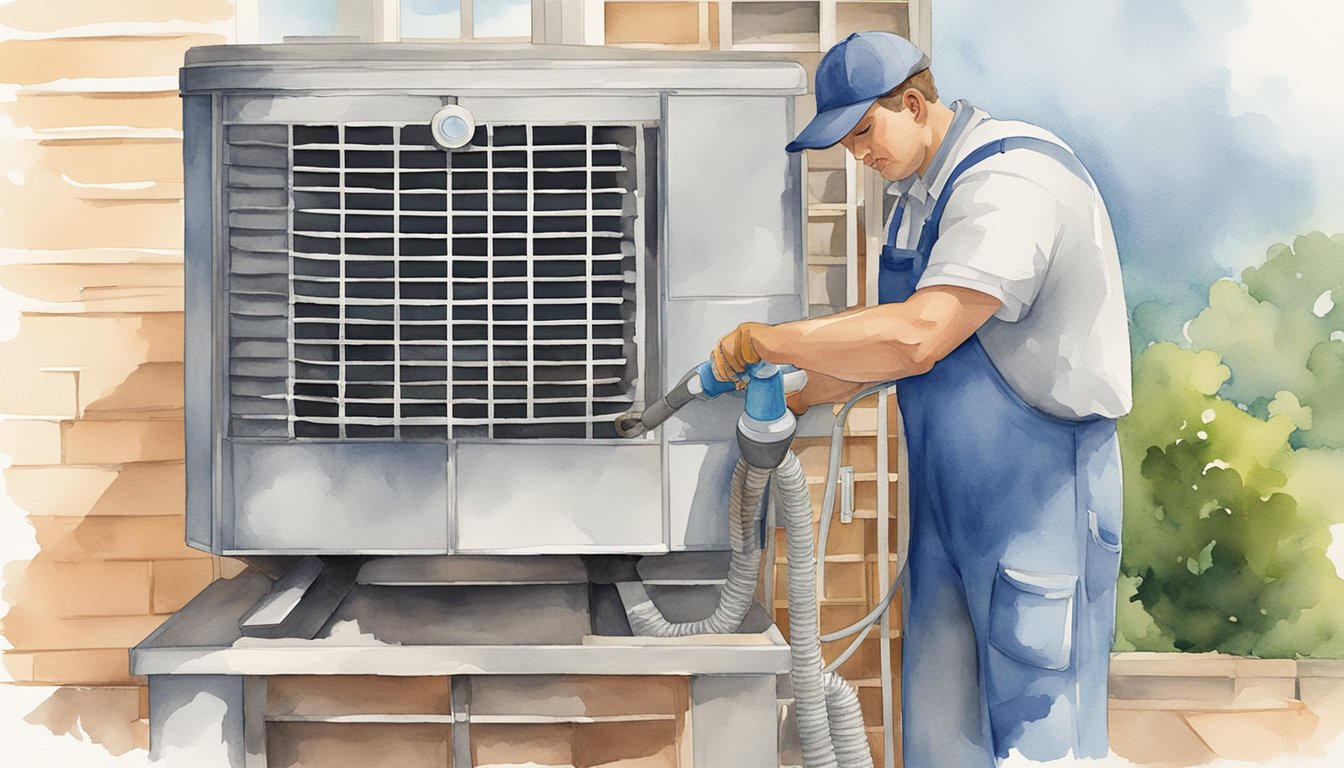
x: 91, y: 390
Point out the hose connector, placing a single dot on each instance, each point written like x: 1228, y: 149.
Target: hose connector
x: 766, y: 428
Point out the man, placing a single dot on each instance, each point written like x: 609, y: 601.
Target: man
x: 1003, y: 317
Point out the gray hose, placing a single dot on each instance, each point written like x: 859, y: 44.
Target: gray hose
x: 830, y: 723
x: 846, y: 721
x: 830, y: 734
x: 744, y: 567
x: 814, y: 729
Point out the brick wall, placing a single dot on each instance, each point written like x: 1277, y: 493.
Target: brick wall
x: 92, y: 386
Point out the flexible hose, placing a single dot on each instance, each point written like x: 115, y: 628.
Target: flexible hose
x: 846, y: 722
x: 744, y: 501
x: 814, y: 729
x: 830, y: 724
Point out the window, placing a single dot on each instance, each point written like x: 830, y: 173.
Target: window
x: 466, y: 20
x: 276, y: 21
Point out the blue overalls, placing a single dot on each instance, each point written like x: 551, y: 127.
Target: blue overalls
x: 1014, y: 548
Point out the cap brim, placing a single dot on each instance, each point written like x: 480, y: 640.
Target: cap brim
x: 830, y: 126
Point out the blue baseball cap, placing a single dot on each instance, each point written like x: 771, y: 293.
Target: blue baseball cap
x: 851, y: 76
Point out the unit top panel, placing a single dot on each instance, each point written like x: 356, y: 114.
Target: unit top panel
x: 406, y: 66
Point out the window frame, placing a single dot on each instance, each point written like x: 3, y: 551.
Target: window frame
x: 247, y: 21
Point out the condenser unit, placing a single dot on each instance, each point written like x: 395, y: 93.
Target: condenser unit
x: 423, y: 281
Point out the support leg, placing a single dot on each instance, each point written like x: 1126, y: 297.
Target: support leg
x: 197, y: 720
x: 733, y: 721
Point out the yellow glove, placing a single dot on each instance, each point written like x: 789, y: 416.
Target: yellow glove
x: 735, y: 352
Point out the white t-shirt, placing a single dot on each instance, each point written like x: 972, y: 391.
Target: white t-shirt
x: 1021, y: 227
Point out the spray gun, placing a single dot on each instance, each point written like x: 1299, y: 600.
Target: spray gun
x: 766, y: 427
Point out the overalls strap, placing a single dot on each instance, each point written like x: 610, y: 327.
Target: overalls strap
x: 929, y: 234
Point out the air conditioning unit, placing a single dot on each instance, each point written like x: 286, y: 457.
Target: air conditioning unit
x: 423, y: 281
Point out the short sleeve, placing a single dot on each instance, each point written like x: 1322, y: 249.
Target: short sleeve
x: 998, y: 237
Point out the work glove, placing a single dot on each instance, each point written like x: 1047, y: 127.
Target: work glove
x: 735, y: 352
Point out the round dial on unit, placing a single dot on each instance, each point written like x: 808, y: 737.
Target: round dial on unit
x: 453, y: 127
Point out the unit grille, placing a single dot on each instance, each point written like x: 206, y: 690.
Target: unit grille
x: 488, y: 292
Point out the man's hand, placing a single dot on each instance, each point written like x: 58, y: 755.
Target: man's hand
x: 735, y: 352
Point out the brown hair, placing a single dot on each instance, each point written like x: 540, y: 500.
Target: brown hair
x: 921, y: 81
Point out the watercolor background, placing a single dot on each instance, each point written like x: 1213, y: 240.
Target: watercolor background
x: 1212, y: 127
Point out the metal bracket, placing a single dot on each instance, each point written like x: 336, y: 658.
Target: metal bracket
x: 300, y: 602
x: 846, y: 495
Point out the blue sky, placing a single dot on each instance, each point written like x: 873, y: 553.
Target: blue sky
x: 1212, y: 128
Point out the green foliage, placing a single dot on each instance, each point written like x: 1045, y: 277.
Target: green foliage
x: 1233, y: 456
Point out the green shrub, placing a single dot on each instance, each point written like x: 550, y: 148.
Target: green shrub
x: 1234, y: 458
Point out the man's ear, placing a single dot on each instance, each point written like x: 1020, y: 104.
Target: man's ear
x: 913, y: 100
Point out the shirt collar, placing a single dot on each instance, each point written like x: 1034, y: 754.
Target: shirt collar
x: 917, y: 185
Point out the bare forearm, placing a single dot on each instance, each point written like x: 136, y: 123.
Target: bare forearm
x: 879, y: 343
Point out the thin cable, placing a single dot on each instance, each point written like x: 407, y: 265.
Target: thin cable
x: 873, y: 615
x: 832, y: 471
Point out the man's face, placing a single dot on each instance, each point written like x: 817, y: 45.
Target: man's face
x: 892, y: 143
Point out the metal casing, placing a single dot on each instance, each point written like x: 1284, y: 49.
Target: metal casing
x: 706, y: 233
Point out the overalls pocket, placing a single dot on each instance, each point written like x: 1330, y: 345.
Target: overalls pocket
x: 1103, y: 553
x: 1031, y: 617
x: 896, y: 274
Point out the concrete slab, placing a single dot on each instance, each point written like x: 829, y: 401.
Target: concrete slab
x: 1254, y: 736
x: 1159, y: 739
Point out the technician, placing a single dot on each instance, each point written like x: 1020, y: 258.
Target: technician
x: 1002, y: 314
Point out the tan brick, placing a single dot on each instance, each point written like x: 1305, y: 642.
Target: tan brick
x: 847, y: 538
x: 877, y: 745
x: 74, y: 223
x: 67, y: 491
x: 90, y: 256
x: 46, y: 60
x: 145, y: 489
x: 30, y: 441
x: 878, y: 590
x: 103, y: 666
x: 357, y: 694
x: 120, y: 342
x: 846, y: 580
x: 814, y: 454
x: 31, y: 632
x: 860, y: 452
x: 101, y: 161
x: 865, y: 664
x: 657, y: 23
x: 18, y: 665
x: 153, y: 389
x: 643, y: 744
x: 58, y: 590
x: 65, y: 539
x: 154, y: 109
x: 176, y: 582
x: 577, y: 695
x: 107, y: 589
x: 29, y: 392
x: 58, y: 490
x: 46, y: 16
x: 509, y: 744
x: 118, y: 442
x: 98, y: 288
x: 405, y: 745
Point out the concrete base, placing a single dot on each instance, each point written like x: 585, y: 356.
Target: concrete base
x: 208, y: 682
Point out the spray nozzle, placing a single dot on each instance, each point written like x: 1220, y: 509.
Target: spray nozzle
x: 765, y: 421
